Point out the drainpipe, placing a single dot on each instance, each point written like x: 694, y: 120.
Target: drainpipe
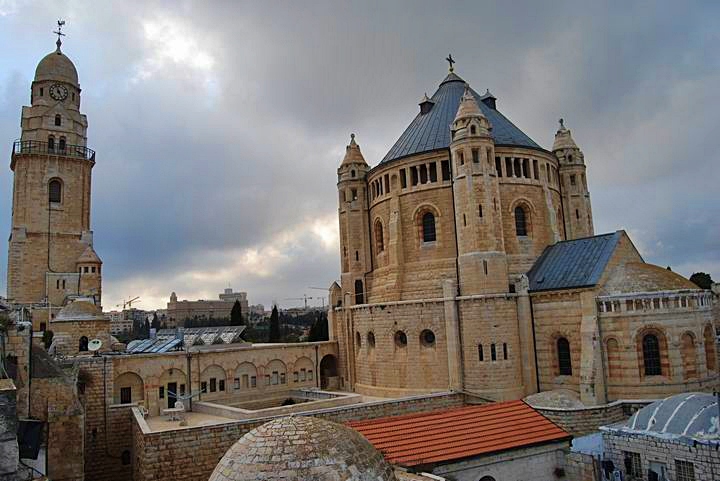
x: 189, y: 379
x: 532, y: 320
x: 317, y: 370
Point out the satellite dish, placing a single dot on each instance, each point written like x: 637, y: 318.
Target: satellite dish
x: 94, y: 345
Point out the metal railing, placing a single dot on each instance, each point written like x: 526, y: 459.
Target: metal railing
x: 30, y: 147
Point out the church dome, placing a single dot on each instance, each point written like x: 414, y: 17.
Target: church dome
x: 691, y: 415
x: 80, y: 310
x: 298, y: 448
x: 56, y: 66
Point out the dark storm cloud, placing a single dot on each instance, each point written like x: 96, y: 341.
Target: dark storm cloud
x: 219, y: 126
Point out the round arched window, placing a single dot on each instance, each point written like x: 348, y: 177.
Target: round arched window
x: 428, y: 227
x: 427, y: 338
x: 520, y: 221
x: 371, y: 339
x: 400, y: 339
x: 358, y: 340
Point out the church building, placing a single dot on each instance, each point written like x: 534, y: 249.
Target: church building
x: 469, y: 261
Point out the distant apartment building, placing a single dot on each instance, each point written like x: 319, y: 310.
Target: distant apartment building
x: 178, y: 311
x: 118, y: 322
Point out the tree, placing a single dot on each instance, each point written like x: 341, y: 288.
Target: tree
x: 702, y: 280
x: 319, y: 329
x: 236, y: 318
x: 146, y: 330
x: 155, y: 322
x: 274, y: 326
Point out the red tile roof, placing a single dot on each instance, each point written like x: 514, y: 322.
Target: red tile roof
x: 458, y: 433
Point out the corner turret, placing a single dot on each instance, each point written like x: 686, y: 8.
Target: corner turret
x: 353, y: 214
x: 577, y: 210
x: 481, y: 258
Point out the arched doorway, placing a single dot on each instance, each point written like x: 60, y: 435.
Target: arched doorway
x: 328, y: 372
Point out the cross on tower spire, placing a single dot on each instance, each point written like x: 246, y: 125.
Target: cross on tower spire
x: 59, y: 33
x: 450, y: 61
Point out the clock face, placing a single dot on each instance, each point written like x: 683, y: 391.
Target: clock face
x: 58, y: 92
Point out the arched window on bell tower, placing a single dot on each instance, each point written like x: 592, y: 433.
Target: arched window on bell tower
x: 55, y: 190
x: 58, y: 120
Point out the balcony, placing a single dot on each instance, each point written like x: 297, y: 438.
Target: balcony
x: 35, y: 147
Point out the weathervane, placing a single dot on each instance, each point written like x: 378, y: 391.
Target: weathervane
x: 450, y: 61
x: 59, y: 33
x: 562, y: 123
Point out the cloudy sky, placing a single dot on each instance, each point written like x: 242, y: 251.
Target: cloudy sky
x: 219, y: 125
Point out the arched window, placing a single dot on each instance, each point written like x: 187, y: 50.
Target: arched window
x: 58, y: 120
x: 428, y: 227
x: 427, y: 338
x: 651, y: 355
x: 379, y: 243
x: 359, y: 294
x: 520, y: 221
x: 473, y: 130
x: 487, y: 478
x: 51, y: 143
x: 710, y: 356
x: 493, y: 352
x: 481, y: 354
x: 400, y: 339
x: 564, y: 359
x: 125, y: 457
x: 83, y: 344
x: 55, y: 190
x: 358, y: 340
x: 61, y: 144
x: 688, y: 355
x: 371, y: 339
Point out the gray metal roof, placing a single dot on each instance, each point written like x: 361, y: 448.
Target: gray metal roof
x: 572, y: 264
x: 431, y: 131
x: 690, y: 415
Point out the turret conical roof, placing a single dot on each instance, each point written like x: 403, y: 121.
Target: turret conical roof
x: 352, y: 153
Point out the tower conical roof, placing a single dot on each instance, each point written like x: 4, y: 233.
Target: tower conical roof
x: 468, y: 105
x: 89, y: 256
x: 431, y: 130
x: 563, y: 138
x: 352, y: 153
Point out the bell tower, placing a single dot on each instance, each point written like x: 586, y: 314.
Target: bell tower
x: 577, y: 211
x: 50, y: 247
x: 482, y: 261
x: 354, y: 229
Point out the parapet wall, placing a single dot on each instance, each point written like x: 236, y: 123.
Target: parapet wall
x: 189, y: 454
x: 582, y: 421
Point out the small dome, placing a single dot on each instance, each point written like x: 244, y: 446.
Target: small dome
x: 56, y: 66
x: 642, y: 277
x: 80, y: 310
x: 299, y: 448
x: 691, y: 415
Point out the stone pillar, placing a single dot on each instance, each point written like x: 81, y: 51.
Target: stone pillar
x: 527, y: 343
x: 452, y: 332
x: 592, y: 373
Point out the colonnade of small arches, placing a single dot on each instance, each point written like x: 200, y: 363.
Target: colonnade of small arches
x: 217, y: 382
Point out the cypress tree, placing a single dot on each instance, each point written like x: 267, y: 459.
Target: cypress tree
x: 274, y: 326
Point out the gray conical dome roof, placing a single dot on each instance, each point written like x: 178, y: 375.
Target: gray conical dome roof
x: 300, y: 448
x: 431, y: 130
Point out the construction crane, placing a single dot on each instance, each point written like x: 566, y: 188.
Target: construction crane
x: 303, y: 298
x: 129, y: 302
x: 322, y: 298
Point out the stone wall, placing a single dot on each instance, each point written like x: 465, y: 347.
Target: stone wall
x: 191, y: 453
x: 581, y: 467
x: 581, y: 421
x: 704, y: 456
x: 9, y: 452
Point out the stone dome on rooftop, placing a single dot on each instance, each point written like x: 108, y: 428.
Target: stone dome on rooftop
x: 80, y: 310
x: 299, y: 448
